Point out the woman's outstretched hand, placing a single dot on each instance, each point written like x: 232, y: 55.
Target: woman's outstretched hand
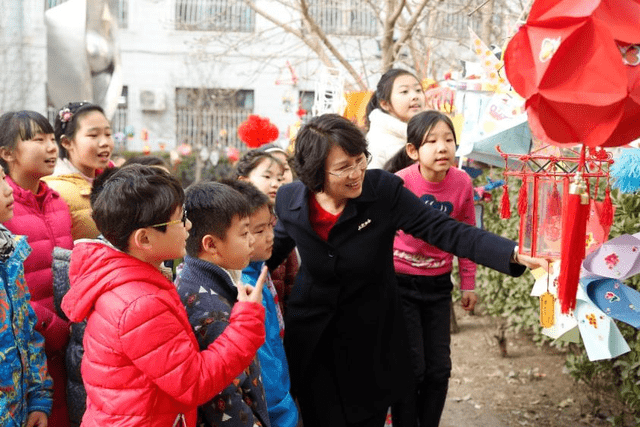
x: 253, y: 293
x: 532, y: 262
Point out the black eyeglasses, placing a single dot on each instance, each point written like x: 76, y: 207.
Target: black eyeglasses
x: 183, y: 220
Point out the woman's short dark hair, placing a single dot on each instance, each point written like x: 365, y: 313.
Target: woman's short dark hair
x: 212, y: 207
x: 422, y: 123
x: 383, y: 91
x: 316, y: 138
x: 133, y: 197
x: 21, y: 126
x: 250, y: 160
x: 66, y: 123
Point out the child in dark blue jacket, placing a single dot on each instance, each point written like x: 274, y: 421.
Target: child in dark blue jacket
x: 218, y: 247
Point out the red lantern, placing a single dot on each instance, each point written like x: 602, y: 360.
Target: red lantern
x: 257, y: 131
x: 559, y: 213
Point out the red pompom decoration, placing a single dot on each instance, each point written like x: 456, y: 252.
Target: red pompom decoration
x: 257, y: 131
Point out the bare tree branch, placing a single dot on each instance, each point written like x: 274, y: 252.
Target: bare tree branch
x: 325, y: 40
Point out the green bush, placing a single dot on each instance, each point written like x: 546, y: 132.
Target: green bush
x: 619, y: 377
x: 507, y: 297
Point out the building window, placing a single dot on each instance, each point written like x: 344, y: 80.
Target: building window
x: 214, y: 15
x: 344, y: 17
x: 210, y: 117
x: 120, y: 7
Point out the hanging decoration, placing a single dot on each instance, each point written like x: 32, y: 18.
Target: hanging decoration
x: 560, y: 215
x: 601, y: 297
x: 257, y: 131
x: 625, y: 173
x: 574, y: 64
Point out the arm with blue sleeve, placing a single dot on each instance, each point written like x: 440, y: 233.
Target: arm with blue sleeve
x: 283, y: 411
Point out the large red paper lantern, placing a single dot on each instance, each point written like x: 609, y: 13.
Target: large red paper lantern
x: 257, y: 131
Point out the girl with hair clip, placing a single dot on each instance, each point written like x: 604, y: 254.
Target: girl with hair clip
x: 28, y: 152
x: 398, y: 97
x: 84, y: 138
x: 423, y: 271
x: 85, y: 141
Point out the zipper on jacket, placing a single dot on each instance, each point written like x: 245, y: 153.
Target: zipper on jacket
x: 177, y: 422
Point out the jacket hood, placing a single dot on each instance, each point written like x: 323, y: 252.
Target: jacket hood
x: 96, y: 268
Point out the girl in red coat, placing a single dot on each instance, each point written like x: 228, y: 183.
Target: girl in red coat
x: 28, y: 152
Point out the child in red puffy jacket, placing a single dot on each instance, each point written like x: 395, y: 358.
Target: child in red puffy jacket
x: 142, y: 365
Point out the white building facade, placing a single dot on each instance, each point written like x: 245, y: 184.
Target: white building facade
x: 194, y: 69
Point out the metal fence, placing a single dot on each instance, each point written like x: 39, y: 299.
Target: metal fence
x: 210, y: 128
x: 344, y: 17
x: 214, y: 15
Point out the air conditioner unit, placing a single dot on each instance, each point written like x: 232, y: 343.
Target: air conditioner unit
x: 152, y: 100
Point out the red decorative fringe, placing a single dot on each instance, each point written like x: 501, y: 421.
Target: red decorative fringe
x: 554, y: 205
x: 505, y: 204
x: 606, y: 218
x: 572, y: 251
x: 522, y: 198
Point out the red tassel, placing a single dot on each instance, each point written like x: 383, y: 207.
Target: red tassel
x: 522, y: 198
x: 505, y: 204
x: 574, y: 231
x: 606, y: 218
x: 554, y: 205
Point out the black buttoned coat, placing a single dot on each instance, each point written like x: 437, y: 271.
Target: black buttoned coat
x: 346, y: 286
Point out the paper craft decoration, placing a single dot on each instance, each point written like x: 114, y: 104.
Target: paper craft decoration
x: 618, y: 258
x: 575, y: 63
x: 600, y: 335
x: 488, y: 61
x: 615, y: 299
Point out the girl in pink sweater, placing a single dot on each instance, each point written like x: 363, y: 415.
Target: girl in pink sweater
x: 424, y: 271
x: 28, y: 152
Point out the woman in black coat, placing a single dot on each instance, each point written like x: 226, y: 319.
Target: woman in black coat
x: 345, y: 337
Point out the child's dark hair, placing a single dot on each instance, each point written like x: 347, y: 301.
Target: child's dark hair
x: 250, y: 160
x: 256, y: 198
x: 316, y: 138
x: 212, y: 206
x: 21, y: 126
x: 399, y: 161
x: 147, y: 160
x: 274, y: 148
x: 421, y: 124
x: 132, y: 197
x: 66, y: 123
x: 383, y: 91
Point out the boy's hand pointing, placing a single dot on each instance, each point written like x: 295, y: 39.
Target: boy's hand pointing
x: 253, y: 293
